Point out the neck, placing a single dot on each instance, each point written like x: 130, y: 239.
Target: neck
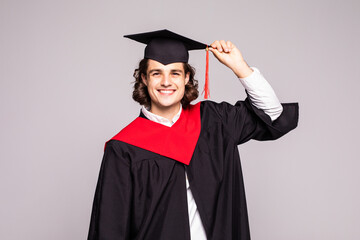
x: 166, y: 112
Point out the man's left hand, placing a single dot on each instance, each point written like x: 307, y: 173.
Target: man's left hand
x: 229, y: 55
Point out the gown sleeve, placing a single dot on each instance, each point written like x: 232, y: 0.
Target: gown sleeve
x: 110, y: 218
x: 244, y: 121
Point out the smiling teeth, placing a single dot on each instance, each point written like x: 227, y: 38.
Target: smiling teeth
x: 166, y: 91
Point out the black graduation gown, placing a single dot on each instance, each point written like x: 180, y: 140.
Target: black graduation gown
x: 142, y: 195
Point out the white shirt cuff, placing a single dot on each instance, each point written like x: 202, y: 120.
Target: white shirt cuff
x: 262, y: 94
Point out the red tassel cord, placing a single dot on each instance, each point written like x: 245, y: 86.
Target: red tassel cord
x: 206, y: 86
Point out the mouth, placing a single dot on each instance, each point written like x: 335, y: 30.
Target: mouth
x: 166, y: 91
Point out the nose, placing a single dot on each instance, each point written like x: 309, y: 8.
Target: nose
x: 166, y: 81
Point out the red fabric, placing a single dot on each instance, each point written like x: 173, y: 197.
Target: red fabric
x: 177, y: 142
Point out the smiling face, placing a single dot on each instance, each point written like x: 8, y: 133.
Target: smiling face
x: 166, y: 86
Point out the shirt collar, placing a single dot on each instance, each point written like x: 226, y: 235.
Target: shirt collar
x: 158, y: 119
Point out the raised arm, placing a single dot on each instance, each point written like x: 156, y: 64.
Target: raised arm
x: 258, y: 89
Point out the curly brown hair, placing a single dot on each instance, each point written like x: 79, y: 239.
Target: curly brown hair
x: 141, y: 94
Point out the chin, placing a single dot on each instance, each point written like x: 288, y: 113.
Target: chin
x: 167, y: 105
x: 168, y: 102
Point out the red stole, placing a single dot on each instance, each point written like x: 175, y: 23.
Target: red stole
x: 177, y: 142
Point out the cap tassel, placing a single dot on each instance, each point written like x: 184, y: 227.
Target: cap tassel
x: 206, y: 86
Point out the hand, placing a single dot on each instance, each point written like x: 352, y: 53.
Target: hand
x: 229, y: 55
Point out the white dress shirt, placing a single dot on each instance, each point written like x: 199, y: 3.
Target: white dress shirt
x: 261, y: 94
x: 263, y: 97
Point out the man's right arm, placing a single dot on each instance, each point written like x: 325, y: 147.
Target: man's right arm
x: 110, y: 218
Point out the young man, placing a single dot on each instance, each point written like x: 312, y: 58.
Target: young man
x: 174, y: 172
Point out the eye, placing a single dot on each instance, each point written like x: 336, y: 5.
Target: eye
x: 155, y: 74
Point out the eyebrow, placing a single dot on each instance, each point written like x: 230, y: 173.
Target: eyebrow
x: 160, y: 70
x: 155, y: 70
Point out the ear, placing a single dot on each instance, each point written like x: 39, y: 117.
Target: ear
x: 143, y: 78
x: 187, y: 78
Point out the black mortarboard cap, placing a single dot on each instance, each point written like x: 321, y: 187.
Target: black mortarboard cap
x: 165, y: 46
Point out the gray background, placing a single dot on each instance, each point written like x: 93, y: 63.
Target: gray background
x: 66, y: 74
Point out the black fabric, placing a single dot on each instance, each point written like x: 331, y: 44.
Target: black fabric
x: 142, y: 195
x: 165, y: 46
x: 166, y: 51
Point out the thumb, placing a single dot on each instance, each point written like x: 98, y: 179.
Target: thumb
x: 215, y: 52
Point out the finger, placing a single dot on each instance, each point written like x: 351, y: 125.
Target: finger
x: 218, y: 46
x: 215, y: 51
x: 224, y: 46
x: 213, y: 45
x: 230, y: 45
